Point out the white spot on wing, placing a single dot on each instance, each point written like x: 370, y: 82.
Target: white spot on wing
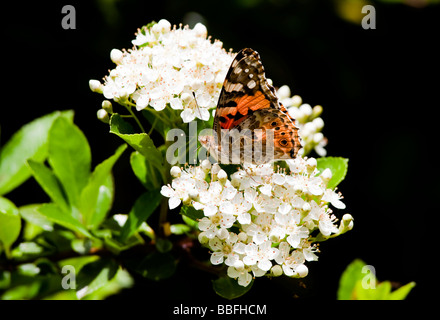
x: 251, y: 84
x: 229, y: 87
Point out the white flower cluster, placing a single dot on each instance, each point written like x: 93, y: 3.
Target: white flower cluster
x: 308, y: 120
x: 166, y: 66
x: 260, y: 221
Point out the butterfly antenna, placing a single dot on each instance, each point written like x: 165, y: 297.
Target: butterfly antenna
x: 198, y: 109
x: 197, y: 105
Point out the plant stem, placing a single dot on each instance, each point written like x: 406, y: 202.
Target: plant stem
x: 135, y: 118
x: 166, y: 178
x: 163, y: 216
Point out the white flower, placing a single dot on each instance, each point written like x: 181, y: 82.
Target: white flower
x: 116, y: 56
x: 166, y: 67
x: 216, y: 225
x: 289, y: 261
x: 261, y: 218
x: 334, y: 198
x: 241, y: 274
x: 326, y: 224
x: 174, y: 200
x: 223, y: 250
x: 260, y: 254
x: 95, y: 86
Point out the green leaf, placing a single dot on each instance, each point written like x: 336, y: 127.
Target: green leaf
x: 141, y: 211
x: 378, y: 293
x: 180, y: 228
x: 27, y: 250
x: 147, y: 174
x: 190, y: 222
x: 10, y: 224
x: 382, y: 291
x: 30, y: 142
x: 5, y: 279
x: 49, y: 183
x: 159, y: 125
x: 94, y: 276
x: 192, y: 213
x: 229, y: 288
x: 139, y: 141
x: 351, y: 285
x: 402, y: 292
x: 351, y: 275
x: 70, y: 158
x: 338, y: 166
x: 120, y: 281
x: 157, y: 266
x: 23, y: 292
x: 31, y: 215
x: 163, y: 245
x: 104, y: 202
x: 90, y: 194
x: 52, y: 212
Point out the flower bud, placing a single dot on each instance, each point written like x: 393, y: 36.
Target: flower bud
x: 193, y: 194
x: 203, y: 239
x: 121, y: 219
x: 186, y: 200
x: 175, y: 172
x: 276, y: 270
x: 346, y: 223
x: 186, y: 98
x: 307, y: 207
x: 283, y: 92
x: 107, y: 106
x: 311, y: 164
x: 306, y: 109
x: 326, y: 175
x: 206, y: 165
x: 103, y: 116
x: 317, y: 137
x: 95, y: 86
x: 242, y: 236
x: 222, y: 175
x: 302, y: 270
x: 164, y: 25
x: 296, y: 101
x: 200, y: 30
x: 319, y: 123
x: 317, y: 110
x: 116, y: 56
x: 215, y: 169
x: 239, y: 265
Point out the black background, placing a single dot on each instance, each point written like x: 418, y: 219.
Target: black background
x: 379, y: 91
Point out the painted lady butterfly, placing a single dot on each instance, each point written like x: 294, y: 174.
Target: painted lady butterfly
x: 249, y: 104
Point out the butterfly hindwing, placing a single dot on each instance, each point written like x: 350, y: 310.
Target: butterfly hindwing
x: 284, y: 133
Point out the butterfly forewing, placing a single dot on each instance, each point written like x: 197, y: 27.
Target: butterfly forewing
x: 248, y: 102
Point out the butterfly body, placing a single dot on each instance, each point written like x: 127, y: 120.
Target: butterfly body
x: 248, y: 107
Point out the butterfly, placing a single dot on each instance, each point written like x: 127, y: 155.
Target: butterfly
x: 249, y: 113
